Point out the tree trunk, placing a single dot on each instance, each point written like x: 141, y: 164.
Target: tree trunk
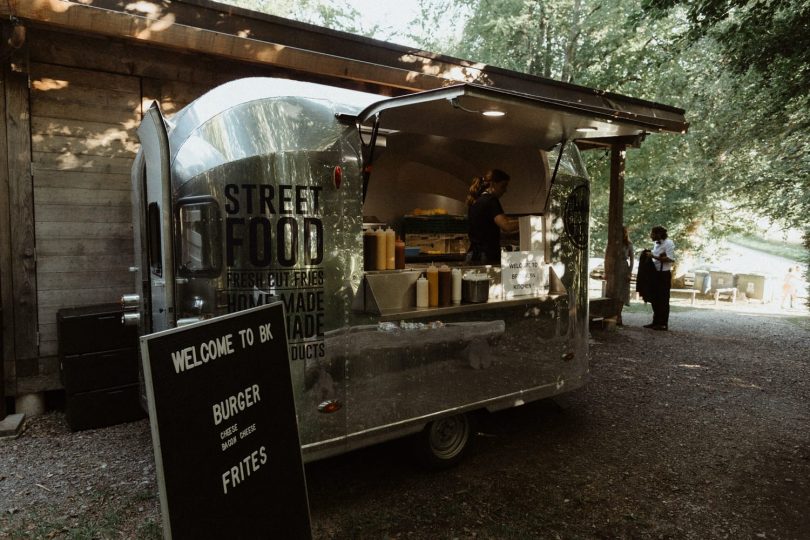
x: 615, y: 267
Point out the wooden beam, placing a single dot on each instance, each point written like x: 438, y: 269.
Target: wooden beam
x: 615, y: 268
x: 7, y: 364
x: 166, y: 32
x: 21, y: 215
x: 633, y: 141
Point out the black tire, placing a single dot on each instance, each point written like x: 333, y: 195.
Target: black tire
x: 444, y: 442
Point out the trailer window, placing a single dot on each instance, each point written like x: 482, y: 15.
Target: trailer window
x: 153, y: 246
x: 200, y: 252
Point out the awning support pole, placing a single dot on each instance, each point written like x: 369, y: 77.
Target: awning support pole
x: 554, y: 175
x: 371, y: 145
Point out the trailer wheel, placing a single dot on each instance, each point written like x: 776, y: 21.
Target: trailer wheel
x: 444, y: 442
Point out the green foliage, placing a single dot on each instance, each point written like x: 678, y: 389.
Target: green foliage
x: 740, y: 69
x: 756, y: 137
x: 279, y: 8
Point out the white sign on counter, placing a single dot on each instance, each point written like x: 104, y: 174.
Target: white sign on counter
x: 522, y: 273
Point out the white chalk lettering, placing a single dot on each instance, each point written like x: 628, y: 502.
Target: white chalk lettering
x: 247, y: 431
x: 216, y: 348
x: 188, y: 358
x: 228, y: 432
x: 247, y: 337
x: 185, y: 359
x: 264, y: 332
x: 242, y: 470
x: 235, y: 404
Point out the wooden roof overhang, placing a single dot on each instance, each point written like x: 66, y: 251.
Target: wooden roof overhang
x: 202, y: 26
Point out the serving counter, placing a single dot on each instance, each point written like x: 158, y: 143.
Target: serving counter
x: 391, y: 294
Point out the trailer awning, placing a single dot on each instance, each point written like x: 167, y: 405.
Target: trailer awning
x: 491, y: 115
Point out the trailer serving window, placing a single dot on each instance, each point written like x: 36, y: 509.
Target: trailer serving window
x: 199, y: 251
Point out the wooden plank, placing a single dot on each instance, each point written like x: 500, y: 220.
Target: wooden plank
x: 47, y: 331
x: 8, y: 364
x: 89, y: 263
x: 82, y: 146
x: 85, y: 230
x: 172, y: 95
x: 81, y: 214
x: 82, y: 280
x: 42, y: 382
x: 21, y: 215
x: 83, y: 197
x: 81, y: 179
x: 51, y: 247
x: 67, y: 161
x: 120, y: 248
x: 81, y: 297
x: 85, y: 18
x: 51, y: 77
x: 78, y: 109
x: 49, y: 126
x: 142, y: 60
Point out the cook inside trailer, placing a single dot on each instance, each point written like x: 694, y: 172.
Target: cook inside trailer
x: 256, y: 192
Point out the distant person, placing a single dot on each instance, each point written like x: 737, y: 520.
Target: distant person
x: 629, y: 258
x: 663, y: 255
x: 623, y: 291
x: 790, y: 286
x: 486, y: 217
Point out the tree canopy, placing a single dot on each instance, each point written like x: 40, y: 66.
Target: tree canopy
x: 740, y: 68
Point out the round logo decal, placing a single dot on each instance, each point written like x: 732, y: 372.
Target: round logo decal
x: 575, y: 216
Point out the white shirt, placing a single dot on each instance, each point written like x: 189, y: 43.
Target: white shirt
x: 666, y: 247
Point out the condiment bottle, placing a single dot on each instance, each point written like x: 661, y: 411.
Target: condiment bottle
x: 399, y: 257
x: 380, y: 249
x: 456, y: 295
x: 433, y: 285
x: 445, y: 285
x: 422, y: 295
x: 369, y: 250
x: 390, y: 249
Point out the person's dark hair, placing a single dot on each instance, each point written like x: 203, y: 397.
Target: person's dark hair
x: 481, y: 183
x: 660, y: 231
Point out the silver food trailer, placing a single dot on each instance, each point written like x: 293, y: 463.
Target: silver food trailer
x: 256, y: 192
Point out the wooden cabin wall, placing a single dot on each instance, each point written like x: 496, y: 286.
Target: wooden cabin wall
x: 83, y: 143
x: 87, y: 96
x: 68, y: 201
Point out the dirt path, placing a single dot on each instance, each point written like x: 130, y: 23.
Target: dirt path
x: 700, y: 432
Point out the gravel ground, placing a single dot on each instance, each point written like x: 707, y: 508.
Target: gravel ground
x: 699, y: 432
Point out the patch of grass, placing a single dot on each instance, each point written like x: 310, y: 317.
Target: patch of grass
x: 150, y: 530
x: 110, y: 523
x: 781, y: 249
x: 801, y: 322
x: 640, y: 307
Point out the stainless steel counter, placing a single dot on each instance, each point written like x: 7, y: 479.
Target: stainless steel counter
x: 412, y: 312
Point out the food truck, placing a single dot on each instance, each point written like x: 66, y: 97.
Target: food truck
x: 267, y: 190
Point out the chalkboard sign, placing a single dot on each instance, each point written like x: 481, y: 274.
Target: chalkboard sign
x: 224, y: 428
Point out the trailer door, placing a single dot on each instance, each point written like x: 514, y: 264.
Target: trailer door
x: 157, y: 215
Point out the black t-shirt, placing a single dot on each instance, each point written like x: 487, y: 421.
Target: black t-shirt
x: 485, y: 235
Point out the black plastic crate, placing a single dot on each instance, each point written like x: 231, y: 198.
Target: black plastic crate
x: 102, y: 408
x: 98, y: 370
x: 92, y: 329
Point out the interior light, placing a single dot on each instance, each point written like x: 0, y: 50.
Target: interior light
x: 585, y: 129
x: 493, y: 113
